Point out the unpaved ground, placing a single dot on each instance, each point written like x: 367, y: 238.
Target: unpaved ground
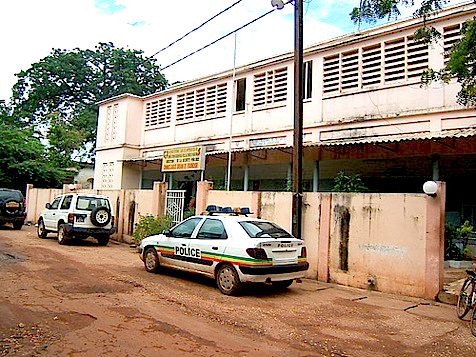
x: 86, y: 300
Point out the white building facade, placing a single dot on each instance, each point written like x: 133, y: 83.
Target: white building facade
x: 365, y: 112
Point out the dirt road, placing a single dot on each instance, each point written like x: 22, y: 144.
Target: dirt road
x: 86, y: 300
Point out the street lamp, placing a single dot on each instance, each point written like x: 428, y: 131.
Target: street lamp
x: 298, y: 114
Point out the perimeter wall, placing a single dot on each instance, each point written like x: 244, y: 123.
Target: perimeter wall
x: 387, y: 242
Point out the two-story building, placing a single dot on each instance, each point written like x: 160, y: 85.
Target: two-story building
x: 365, y: 112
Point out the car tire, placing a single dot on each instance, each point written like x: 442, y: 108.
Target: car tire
x: 227, y: 279
x: 42, y: 232
x: 151, y: 260
x: 282, y: 285
x: 62, y: 235
x: 103, y: 239
x: 100, y: 216
x: 17, y: 225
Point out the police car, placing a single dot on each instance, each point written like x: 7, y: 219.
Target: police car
x: 230, y: 247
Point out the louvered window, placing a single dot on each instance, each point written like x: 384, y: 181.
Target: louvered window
x: 112, y: 117
x: 451, y: 35
x: 382, y: 63
x: 270, y: 87
x: 371, y: 65
x: 200, y: 103
x: 331, y: 74
x: 158, y: 112
x: 395, y: 60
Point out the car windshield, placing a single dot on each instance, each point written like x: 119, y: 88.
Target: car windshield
x: 259, y: 229
x: 90, y: 203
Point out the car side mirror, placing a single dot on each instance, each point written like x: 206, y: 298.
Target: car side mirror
x: 48, y: 206
x: 166, y: 232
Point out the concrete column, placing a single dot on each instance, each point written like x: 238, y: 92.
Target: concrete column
x: 171, y: 181
x: 324, y: 238
x: 315, y: 177
x: 159, y: 196
x: 246, y: 175
x: 202, y: 195
x: 289, y: 177
x: 435, y: 167
x: 434, y: 247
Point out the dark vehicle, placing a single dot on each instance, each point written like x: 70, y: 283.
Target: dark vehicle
x: 12, y: 207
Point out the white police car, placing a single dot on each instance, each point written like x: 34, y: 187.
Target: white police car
x: 230, y: 247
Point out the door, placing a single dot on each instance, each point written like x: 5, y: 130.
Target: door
x: 210, y: 244
x: 174, y: 247
x: 50, y: 215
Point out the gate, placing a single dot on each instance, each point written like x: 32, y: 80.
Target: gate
x: 175, y: 204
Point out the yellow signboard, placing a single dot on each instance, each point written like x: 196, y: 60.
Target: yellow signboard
x: 184, y: 159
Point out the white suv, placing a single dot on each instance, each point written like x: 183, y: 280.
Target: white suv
x: 78, y: 215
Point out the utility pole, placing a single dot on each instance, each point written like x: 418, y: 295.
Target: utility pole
x: 298, y: 120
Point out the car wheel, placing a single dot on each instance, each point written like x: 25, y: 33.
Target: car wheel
x: 151, y: 260
x: 100, y: 216
x: 42, y: 232
x: 62, y: 235
x: 17, y: 225
x: 283, y: 284
x: 103, y: 239
x: 228, y: 280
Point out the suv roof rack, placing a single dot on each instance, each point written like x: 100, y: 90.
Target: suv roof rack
x: 214, y: 209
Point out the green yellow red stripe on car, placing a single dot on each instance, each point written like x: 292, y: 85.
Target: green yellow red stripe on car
x: 210, y: 256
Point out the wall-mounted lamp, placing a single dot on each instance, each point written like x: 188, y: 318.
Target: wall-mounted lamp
x: 430, y: 188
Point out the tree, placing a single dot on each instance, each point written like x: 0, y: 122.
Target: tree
x: 462, y: 56
x: 68, y: 84
x: 23, y: 160
x: 348, y: 183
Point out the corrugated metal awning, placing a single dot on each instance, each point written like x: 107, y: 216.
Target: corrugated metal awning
x: 433, y: 135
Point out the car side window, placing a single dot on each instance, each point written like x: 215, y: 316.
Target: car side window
x: 185, y: 229
x: 212, y: 229
x: 56, y: 203
x: 66, y: 202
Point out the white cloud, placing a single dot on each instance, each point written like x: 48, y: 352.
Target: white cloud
x: 32, y: 28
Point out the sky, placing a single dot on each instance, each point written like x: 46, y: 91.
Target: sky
x: 31, y: 29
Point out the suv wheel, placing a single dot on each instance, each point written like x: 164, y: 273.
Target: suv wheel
x: 62, y: 235
x: 103, y: 239
x: 100, y: 216
x: 42, y: 232
x: 17, y: 225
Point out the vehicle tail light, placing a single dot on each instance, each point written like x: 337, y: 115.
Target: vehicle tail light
x: 71, y: 218
x: 112, y: 221
x: 257, y: 253
x: 304, y: 252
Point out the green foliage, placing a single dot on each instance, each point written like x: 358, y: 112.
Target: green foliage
x: 452, y: 251
x: 348, y: 183
x: 67, y: 85
x: 149, y: 225
x: 462, y: 57
x: 452, y: 233
x: 24, y: 160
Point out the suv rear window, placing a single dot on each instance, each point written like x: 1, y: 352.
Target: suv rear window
x: 89, y: 203
x: 10, y: 194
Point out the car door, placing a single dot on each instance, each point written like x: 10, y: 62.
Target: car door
x: 209, y: 245
x: 174, y: 246
x: 50, y: 215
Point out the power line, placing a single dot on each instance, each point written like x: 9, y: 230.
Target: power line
x: 219, y: 39
x: 196, y: 28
